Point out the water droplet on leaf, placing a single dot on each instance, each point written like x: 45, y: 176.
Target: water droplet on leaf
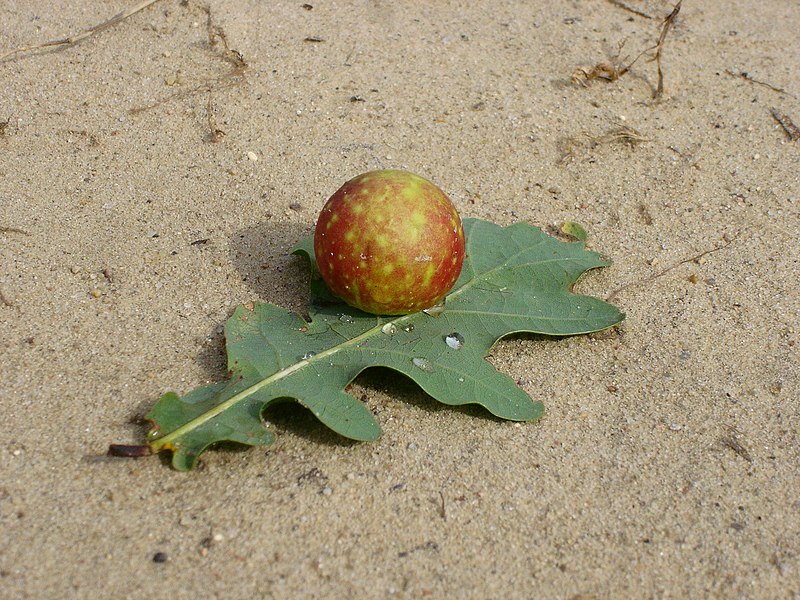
x: 461, y: 380
x: 346, y: 318
x: 423, y: 363
x: 389, y: 329
x: 308, y: 355
x: 455, y: 340
x: 408, y: 328
x: 435, y: 310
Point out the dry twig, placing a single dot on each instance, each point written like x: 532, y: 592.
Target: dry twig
x: 74, y: 39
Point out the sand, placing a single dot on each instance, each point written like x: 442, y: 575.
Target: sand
x: 666, y: 465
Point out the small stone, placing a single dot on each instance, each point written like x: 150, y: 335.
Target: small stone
x: 74, y: 269
x: 252, y: 156
x: 95, y: 293
x: 160, y: 557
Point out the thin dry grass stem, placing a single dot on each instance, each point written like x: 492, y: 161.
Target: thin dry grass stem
x: 667, y: 24
x: 666, y: 270
x: 746, y: 76
x: 74, y: 39
x: 629, y: 8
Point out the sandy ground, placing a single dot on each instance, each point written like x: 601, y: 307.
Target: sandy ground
x: 667, y: 463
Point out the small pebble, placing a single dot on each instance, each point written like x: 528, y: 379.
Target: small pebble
x: 252, y: 156
x: 160, y: 557
x: 95, y: 293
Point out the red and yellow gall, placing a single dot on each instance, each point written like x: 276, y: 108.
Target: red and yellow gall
x: 389, y: 242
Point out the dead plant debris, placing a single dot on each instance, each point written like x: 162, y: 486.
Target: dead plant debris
x: 730, y: 439
x: 621, y: 134
x: 74, y: 39
x: 792, y: 131
x: 629, y: 8
x: 607, y: 70
x: 747, y: 77
x: 238, y: 67
x: 645, y: 214
x: 215, y: 32
x: 613, y: 69
x: 214, y: 133
x: 4, y: 229
x: 726, y: 242
x: 666, y: 25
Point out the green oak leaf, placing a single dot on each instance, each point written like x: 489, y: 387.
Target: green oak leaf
x: 514, y: 279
